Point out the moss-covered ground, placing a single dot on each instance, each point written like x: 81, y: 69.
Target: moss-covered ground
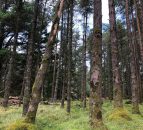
x: 52, y: 117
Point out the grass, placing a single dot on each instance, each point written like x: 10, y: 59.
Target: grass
x: 52, y: 117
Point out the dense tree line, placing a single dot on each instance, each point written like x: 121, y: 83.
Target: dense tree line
x: 71, y: 61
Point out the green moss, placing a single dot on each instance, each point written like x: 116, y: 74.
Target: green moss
x: 30, y: 117
x: 119, y: 114
x: 20, y: 125
x: 97, y: 33
x: 99, y: 126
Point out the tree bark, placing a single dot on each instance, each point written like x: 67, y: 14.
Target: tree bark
x: 110, y: 74
x: 57, y: 76
x: 139, y: 18
x: 138, y: 14
x: 134, y: 80
x: 2, y: 37
x: 54, y: 74
x: 28, y: 75
x: 96, y: 81
x: 70, y: 57
x: 117, y: 89
x: 39, y: 80
x: 64, y: 50
x: 83, y: 96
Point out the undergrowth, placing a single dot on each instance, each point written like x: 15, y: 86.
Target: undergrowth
x: 52, y: 117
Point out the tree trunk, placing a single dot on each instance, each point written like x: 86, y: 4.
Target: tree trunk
x: 64, y: 50
x: 9, y: 76
x: 96, y: 81
x: 1, y: 46
x: 110, y: 74
x: 57, y: 81
x: 118, y: 101
x: 70, y: 56
x: 134, y: 69
x: 2, y: 24
x: 59, y: 63
x: 140, y: 40
x: 54, y: 74
x: 139, y: 22
x: 28, y: 75
x: 58, y: 73
x: 39, y: 80
x: 83, y: 97
x: 22, y: 89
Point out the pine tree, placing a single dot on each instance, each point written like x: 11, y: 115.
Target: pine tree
x: 28, y: 73
x: 96, y: 81
x: 118, y: 101
x: 9, y: 76
x: 39, y: 80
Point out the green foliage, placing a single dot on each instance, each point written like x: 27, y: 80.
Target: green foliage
x: 28, y: 7
x: 3, y: 52
x: 4, y: 15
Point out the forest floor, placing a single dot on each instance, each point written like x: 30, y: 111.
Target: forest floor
x: 52, y: 117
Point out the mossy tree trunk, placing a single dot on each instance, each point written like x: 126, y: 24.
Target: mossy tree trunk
x: 39, y: 80
x: 117, y: 88
x: 28, y: 74
x: 96, y: 81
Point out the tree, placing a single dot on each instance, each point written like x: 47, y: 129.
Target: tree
x: 85, y: 7
x: 139, y: 19
x: 135, y: 83
x: 64, y: 31
x: 118, y: 102
x: 70, y: 55
x: 13, y: 55
x: 39, y: 80
x: 28, y: 73
x: 96, y: 81
x: 54, y: 73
